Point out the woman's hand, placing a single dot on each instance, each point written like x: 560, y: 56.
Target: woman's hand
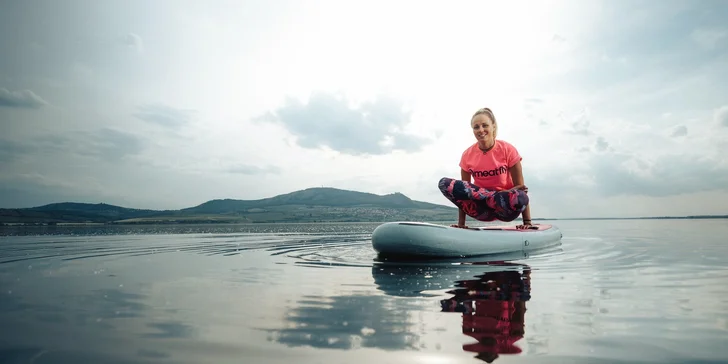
x: 526, y: 225
x: 519, y: 187
x: 459, y: 226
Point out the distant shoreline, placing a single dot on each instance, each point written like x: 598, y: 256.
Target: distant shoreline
x: 219, y: 222
x: 313, y: 205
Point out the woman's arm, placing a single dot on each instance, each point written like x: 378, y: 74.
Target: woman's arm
x: 465, y: 176
x: 527, y: 216
x: 517, y: 177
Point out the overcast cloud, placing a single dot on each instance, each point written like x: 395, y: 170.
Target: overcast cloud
x: 375, y: 127
x: 618, y: 108
x: 20, y: 99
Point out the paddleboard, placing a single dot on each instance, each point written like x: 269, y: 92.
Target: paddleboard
x: 407, y: 238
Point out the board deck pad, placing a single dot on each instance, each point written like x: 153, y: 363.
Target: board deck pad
x: 538, y: 227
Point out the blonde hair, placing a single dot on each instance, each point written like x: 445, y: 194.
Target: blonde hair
x: 489, y: 113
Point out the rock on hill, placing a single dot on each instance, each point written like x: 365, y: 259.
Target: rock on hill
x: 309, y: 205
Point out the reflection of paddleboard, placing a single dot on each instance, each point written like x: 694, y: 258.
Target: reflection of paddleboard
x: 425, y: 239
x: 418, y: 280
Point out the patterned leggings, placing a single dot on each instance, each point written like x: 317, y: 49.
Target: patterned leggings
x: 482, y: 204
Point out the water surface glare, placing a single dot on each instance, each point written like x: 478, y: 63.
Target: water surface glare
x: 629, y: 291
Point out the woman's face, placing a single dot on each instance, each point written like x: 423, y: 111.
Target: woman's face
x: 483, y: 128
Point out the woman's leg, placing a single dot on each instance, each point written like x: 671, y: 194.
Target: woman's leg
x: 469, y: 198
x: 482, y: 204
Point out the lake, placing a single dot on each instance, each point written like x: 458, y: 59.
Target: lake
x: 615, y: 291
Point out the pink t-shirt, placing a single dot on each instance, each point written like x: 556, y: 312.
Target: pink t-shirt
x: 491, y: 170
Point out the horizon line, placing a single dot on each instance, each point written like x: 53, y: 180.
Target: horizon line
x: 646, y: 217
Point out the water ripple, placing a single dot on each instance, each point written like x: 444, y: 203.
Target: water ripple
x: 332, y: 245
x: 331, y: 248
x: 647, y: 287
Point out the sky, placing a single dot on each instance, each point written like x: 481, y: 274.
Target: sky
x: 618, y: 108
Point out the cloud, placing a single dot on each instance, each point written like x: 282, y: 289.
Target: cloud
x: 110, y: 144
x: 24, y: 99
x: 11, y: 150
x: 34, y: 189
x: 164, y: 115
x: 133, y: 41
x: 721, y: 116
x: 248, y: 169
x: 39, y: 146
x: 580, y: 125
x: 679, y: 131
x: 620, y: 183
x: 374, y: 127
x: 106, y: 144
x: 666, y: 175
x: 558, y: 39
x: 709, y: 38
x: 601, y: 144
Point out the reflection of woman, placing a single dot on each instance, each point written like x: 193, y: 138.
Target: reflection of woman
x: 493, y: 308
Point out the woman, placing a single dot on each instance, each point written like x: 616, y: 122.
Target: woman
x: 496, y: 190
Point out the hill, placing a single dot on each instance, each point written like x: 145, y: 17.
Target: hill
x: 308, y: 205
x: 321, y: 196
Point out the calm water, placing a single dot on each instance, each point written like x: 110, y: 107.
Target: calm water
x: 613, y: 292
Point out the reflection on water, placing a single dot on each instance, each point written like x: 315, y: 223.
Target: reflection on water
x: 493, y: 308
x: 491, y: 297
x: 348, y: 322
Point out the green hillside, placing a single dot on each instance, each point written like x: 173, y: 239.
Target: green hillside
x: 309, y: 205
x: 329, y: 197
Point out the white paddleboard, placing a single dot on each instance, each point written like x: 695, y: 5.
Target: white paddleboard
x: 432, y: 240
